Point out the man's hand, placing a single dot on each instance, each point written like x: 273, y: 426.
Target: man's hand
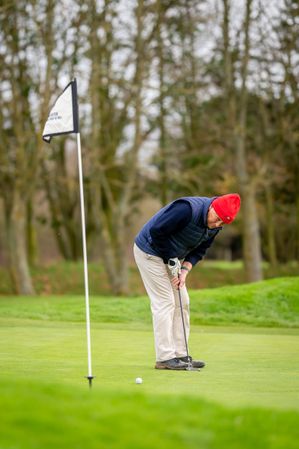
x: 179, y: 281
x: 179, y: 277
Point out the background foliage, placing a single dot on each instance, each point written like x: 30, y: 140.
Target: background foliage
x: 177, y: 98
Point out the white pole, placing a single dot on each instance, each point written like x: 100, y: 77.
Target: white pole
x: 90, y: 376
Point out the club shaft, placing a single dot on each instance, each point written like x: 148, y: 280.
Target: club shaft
x: 183, y: 323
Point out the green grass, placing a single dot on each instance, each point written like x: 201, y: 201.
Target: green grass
x: 64, y: 417
x: 67, y: 277
x: 241, y: 361
x: 268, y: 303
x: 246, y: 397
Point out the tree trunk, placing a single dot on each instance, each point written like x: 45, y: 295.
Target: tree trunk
x: 251, y: 232
x: 163, y: 154
x: 297, y: 226
x: 271, y: 247
x: 251, y: 235
x: 122, y: 260
x: 18, y: 260
x: 31, y: 236
x: 296, y: 178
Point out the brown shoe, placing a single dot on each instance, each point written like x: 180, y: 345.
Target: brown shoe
x: 174, y: 364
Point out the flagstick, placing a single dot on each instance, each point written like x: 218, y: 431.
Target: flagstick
x: 90, y: 376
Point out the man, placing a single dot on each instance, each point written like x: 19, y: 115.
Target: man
x: 184, y: 229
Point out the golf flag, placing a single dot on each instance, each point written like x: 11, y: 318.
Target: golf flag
x: 63, y: 117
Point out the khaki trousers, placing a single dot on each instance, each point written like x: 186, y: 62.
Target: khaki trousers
x: 165, y: 306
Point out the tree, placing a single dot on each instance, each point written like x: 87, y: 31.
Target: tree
x: 30, y: 66
x: 17, y: 148
x: 117, y: 108
x: 287, y: 29
x: 236, y: 102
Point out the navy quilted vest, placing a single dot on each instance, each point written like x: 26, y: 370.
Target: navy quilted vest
x: 189, y: 237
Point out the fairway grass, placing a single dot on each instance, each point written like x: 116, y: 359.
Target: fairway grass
x: 271, y: 303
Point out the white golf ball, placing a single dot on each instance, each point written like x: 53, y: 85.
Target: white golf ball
x: 138, y: 380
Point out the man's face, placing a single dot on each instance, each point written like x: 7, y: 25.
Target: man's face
x: 213, y: 220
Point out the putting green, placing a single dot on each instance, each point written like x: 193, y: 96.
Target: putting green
x: 247, y: 396
x: 245, y: 366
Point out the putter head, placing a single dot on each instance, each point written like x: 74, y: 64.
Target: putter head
x: 190, y: 368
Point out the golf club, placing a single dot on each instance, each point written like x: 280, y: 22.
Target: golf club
x: 190, y: 367
x: 174, y: 266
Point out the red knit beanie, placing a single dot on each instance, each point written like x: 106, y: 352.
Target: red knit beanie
x: 227, y: 206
